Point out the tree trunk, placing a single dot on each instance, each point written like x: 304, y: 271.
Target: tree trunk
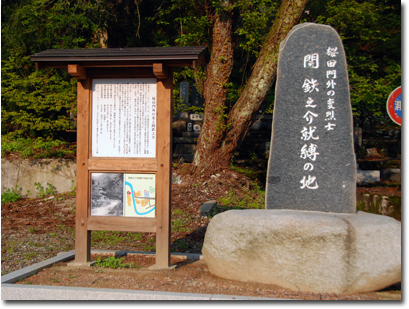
x: 217, y: 75
x: 217, y: 153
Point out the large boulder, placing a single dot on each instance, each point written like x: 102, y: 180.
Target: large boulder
x: 305, y: 250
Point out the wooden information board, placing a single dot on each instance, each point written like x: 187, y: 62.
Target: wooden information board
x: 124, y: 139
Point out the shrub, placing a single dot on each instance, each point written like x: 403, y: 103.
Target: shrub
x: 10, y: 195
x: 112, y: 262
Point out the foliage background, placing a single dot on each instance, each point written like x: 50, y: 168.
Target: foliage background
x: 38, y: 107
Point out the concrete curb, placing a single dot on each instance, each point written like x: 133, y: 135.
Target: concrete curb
x: 10, y: 291
x: 42, y: 292
x: 35, y: 268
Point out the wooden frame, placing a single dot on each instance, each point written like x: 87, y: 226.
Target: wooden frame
x: 161, y: 166
x: 89, y: 64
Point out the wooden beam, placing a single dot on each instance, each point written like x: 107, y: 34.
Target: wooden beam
x: 123, y: 72
x: 77, y: 71
x: 160, y: 70
x: 122, y: 224
x: 119, y: 164
x: 116, y: 64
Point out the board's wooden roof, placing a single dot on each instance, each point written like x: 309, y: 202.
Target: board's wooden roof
x: 122, y: 57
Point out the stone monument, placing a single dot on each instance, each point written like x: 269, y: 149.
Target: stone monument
x: 197, y: 99
x: 184, y: 93
x: 312, y: 161
x: 310, y: 238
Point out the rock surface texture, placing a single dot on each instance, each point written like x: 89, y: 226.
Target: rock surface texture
x: 305, y: 251
x: 312, y: 158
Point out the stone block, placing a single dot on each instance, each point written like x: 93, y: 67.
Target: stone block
x: 367, y: 176
x: 207, y: 207
x: 184, y: 93
x: 312, y: 158
x: 373, y: 152
x: 391, y: 174
x: 196, y: 117
x: 181, y: 115
x: 306, y: 251
x: 191, y: 134
x: 178, y: 149
x: 180, y: 125
x: 197, y: 99
x: 189, y: 148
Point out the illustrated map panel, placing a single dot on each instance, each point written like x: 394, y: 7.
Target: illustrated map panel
x: 140, y: 195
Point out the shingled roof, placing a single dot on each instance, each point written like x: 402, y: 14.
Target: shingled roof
x: 132, y: 56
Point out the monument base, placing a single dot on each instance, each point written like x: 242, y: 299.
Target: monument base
x: 306, y: 251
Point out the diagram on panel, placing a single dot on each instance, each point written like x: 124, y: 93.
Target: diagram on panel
x: 139, y: 198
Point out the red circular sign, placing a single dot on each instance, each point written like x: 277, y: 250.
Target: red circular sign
x: 393, y: 106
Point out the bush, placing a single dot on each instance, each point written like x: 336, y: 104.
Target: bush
x: 111, y: 262
x: 36, y: 147
x: 10, y: 195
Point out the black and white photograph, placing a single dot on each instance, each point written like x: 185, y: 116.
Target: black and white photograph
x: 107, y: 191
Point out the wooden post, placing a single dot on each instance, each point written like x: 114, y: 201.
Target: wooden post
x: 82, y: 235
x: 163, y: 182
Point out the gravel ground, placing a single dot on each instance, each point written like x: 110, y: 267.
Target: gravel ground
x: 25, y: 249
x: 190, y: 276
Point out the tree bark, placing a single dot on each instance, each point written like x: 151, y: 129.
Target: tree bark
x: 217, y: 153
x: 214, y: 93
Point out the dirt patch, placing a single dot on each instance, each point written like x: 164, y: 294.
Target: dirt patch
x: 190, y: 276
x: 33, y: 230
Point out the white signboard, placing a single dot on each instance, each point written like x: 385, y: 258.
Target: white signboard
x: 124, y: 118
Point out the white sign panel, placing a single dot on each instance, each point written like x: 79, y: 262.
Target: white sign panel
x: 124, y: 118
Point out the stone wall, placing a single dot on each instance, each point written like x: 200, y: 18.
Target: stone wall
x: 60, y: 173
x: 187, y: 127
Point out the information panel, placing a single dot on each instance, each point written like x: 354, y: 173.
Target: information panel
x: 118, y: 194
x: 124, y: 118
x: 140, y: 195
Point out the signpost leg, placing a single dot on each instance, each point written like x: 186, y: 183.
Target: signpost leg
x: 164, y: 151
x: 82, y: 235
